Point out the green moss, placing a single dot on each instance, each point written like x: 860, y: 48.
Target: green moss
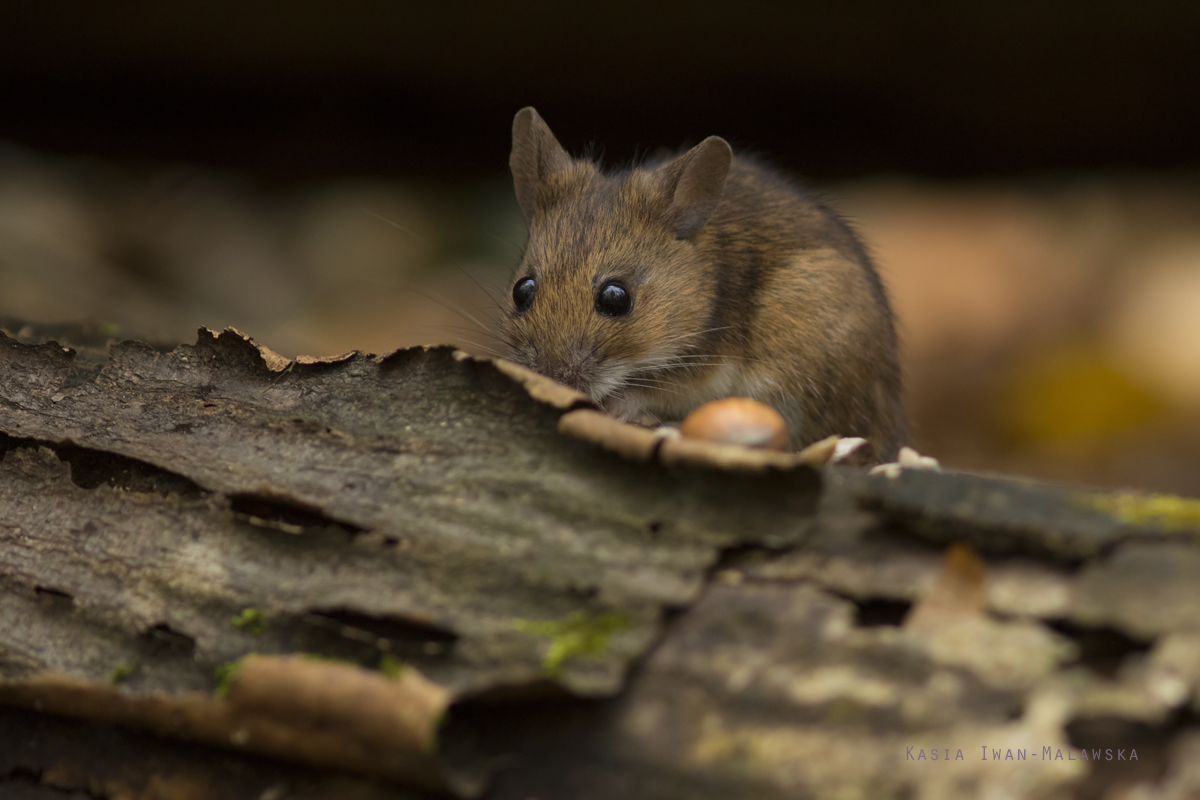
x: 1163, y: 510
x: 252, y: 621
x: 121, y: 672
x: 227, y: 675
x: 575, y: 635
x: 392, y: 667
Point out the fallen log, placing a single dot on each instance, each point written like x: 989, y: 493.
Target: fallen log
x: 432, y: 573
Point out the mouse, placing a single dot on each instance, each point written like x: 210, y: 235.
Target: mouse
x: 659, y: 287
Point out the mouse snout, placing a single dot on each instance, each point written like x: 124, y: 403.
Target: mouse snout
x: 572, y: 373
x: 574, y: 367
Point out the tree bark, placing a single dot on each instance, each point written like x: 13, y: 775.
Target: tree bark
x: 431, y: 573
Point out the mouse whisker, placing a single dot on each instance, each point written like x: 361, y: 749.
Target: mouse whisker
x: 454, y: 308
x: 652, y: 387
x: 425, y: 240
x: 518, y: 250
x: 713, y: 355
x: 696, y: 360
x: 657, y: 377
x: 625, y: 398
x: 457, y: 332
x: 682, y: 336
x: 672, y: 366
x: 482, y: 347
x: 487, y: 290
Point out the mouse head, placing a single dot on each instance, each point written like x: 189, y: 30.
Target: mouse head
x: 613, y: 285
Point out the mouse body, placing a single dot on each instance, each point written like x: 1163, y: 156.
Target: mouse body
x: 659, y: 288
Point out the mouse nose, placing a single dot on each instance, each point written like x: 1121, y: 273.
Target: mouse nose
x: 570, y: 375
x: 572, y: 368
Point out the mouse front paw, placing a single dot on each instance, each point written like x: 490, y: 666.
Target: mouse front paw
x: 908, y: 459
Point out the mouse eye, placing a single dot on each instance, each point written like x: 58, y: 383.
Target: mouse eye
x: 614, y: 300
x: 523, y: 293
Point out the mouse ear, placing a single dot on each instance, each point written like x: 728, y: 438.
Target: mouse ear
x: 536, y: 155
x: 694, y: 182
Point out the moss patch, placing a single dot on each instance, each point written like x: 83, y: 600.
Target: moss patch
x: 392, y: 667
x: 252, y: 621
x: 226, y: 675
x: 121, y: 672
x: 575, y: 635
x: 1162, y: 510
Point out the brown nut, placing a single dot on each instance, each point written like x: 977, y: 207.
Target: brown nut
x: 737, y: 420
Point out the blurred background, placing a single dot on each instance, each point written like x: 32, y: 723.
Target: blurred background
x: 328, y: 177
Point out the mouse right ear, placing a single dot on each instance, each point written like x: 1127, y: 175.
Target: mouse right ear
x: 536, y: 155
x: 694, y: 184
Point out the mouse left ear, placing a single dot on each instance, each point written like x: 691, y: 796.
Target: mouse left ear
x: 694, y: 182
x: 536, y: 155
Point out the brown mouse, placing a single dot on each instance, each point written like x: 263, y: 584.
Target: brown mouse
x: 658, y: 288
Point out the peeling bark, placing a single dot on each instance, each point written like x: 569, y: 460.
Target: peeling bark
x: 500, y: 590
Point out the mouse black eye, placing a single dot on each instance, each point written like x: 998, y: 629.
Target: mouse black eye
x: 614, y: 300
x: 523, y: 293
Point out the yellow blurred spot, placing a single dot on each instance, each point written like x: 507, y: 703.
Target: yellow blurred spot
x: 1071, y: 397
x: 1164, y: 510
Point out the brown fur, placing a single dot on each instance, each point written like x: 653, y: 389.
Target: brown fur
x: 744, y: 285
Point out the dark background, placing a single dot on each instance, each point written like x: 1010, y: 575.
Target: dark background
x: 333, y: 176
x: 303, y: 90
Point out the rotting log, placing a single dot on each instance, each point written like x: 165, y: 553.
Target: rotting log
x: 496, y: 589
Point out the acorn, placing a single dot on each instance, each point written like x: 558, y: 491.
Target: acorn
x: 739, y: 421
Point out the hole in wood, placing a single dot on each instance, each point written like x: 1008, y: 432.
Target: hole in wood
x: 1102, y: 649
x: 877, y: 611
x: 290, y: 516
